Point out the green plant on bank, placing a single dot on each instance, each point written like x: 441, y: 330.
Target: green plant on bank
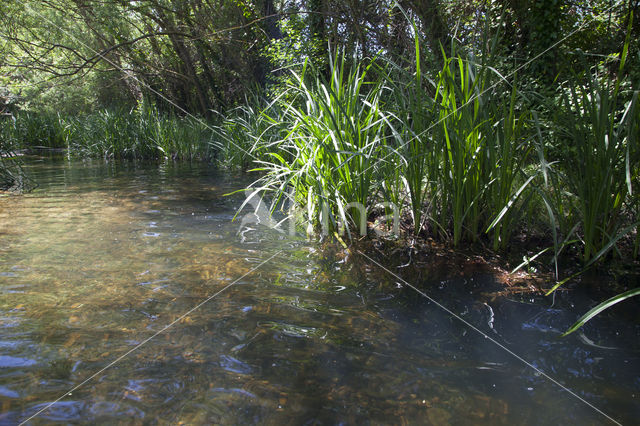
x: 600, y: 156
x: 511, y: 168
x: 460, y: 152
x: 598, y: 145
x: 247, y: 129
x: 328, y: 154
x: 411, y: 159
x: 30, y: 129
x: 485, y: 145
x: 142, y: 133
x: 463, y: 155
x: 461, y: 181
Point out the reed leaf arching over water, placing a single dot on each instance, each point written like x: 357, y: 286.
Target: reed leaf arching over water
x: 369, y: 135
x: 329, y: 152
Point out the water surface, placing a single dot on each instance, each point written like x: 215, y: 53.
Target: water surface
x: 102, y: 256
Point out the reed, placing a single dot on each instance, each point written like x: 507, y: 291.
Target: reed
x: 598, y: 149
x: 328, y: 154
x: 485, y: 142
x: 246, y: 130
x: 142, y: 133
x: 457, y: 162
x: 30, y: 129
x: 411, y: 161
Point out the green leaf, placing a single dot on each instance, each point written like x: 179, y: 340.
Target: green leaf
x: 601, y: 307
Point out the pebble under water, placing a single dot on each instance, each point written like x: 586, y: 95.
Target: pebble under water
x: 101, y: 256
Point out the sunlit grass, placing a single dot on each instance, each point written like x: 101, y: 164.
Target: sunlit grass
x: 142, y: 133
x: 597, y: 153
x: 463, y: 154
x: 329, y: 152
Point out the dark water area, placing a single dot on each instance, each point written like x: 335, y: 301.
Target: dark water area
x: 102, y: 256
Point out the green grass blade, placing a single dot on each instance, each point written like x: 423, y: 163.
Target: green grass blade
x: 601, y: 307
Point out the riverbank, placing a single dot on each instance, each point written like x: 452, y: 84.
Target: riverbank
x: 460, y: 161
x: 142, y: 133
x: 105, y: 254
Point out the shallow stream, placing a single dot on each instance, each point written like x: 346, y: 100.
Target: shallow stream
x: 100, y: 257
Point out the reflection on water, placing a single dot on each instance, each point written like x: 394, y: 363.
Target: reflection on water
x: 102, y: 256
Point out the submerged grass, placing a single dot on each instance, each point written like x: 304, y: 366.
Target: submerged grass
x: 12, y: 176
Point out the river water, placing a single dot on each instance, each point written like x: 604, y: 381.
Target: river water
x: 103, y: 256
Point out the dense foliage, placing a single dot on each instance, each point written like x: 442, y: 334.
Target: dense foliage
x: 200, y: 55
x: 478, y: 122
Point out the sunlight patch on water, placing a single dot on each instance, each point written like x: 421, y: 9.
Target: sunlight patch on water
x: 101, y: 257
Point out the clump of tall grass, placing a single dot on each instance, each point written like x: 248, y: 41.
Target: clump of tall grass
x: 463, y: 152
x: 454, y: 160
x: 329, y: 153
x: 596, y: 143
x: 29, y: 129
x: 411, y: 162
x: 596, y: 161
x: 246, y: 130
x: 142, y: 133
x: 484, y: 144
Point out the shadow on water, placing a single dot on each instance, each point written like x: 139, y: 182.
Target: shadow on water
x: 102, y: 256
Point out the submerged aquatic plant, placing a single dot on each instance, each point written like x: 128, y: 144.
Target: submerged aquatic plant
x: 12, y: 175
